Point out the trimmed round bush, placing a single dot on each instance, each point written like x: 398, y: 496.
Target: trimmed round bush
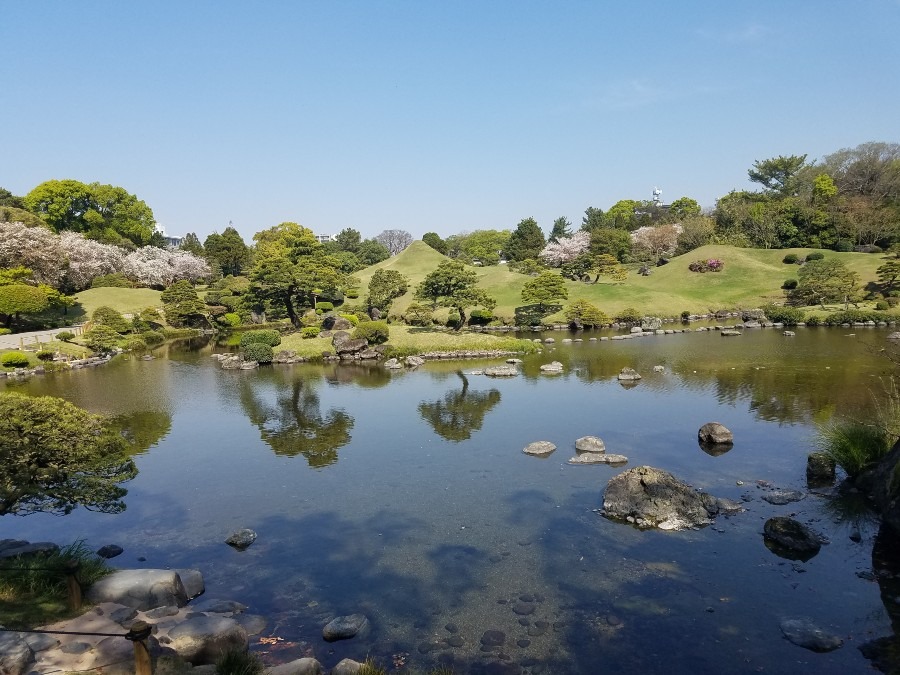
x: 453, y: 319
x: 629, y: 315
x: 815, y: 255
x: 789, y: 284
x: 791, y: 259
x: 257, y: 351
x: 232, y: 319
x: 153, y: 337
x: 789, y: 316
x: 310, y: 332
x: 117, y: 280
x: 480, y: 317
x: 353, y: 294
x: 45, y: 355
x: 135, y: 343
x: 13, y: 360
x: 7, y: 331
x: 107, y: 316
x: 352, y: 318
x: 65, y: 336
x: 813, y: 320
x: 325, y: 306
x: 882, y: 305
x: 375, y: 332
x: 269, y: 337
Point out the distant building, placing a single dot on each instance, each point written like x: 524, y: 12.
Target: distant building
x: 173, y: 242
x: 325, y: 238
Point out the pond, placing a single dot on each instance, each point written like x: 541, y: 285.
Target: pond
x: 406, y: 496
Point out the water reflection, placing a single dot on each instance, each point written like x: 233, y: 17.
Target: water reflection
x: 143, y: 429
x: 459, y: 413
x: 293, y: 424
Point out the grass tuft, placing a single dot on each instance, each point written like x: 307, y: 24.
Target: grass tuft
x: 239, y: 662
x: 854, y: 446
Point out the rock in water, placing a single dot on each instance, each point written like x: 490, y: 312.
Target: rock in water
x: 344, y: 627
x: 241, y: 539
x: 651, y: 497
x: 782, y: 497
x: 791, y: 539
x: 501, y: 371
x: 109, y: 551
x: 306, y: 666
x: 629, y: 374
x: 804, y: 633
x: 140, y: 589
x: 539, y: 448
x: 203, y: 639
x: 820, y: 470
x: 714, y: 433
x: 590, y: 444
x: 598, y: 458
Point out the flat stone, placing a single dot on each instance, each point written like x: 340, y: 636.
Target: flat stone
x: 241, y: 539
x: 590, y: 444
x: 217, y: 606
x: 524, y: 608
x: 304, y: 666
x: 344, y: 627
x: 193, y: 583
x: 804, y: 633
x: 781, y: 497
x: 598, y: 458
x: 493, y: 638
x: 15, y: 654
x: 202, y: 639
x: 539, y: 448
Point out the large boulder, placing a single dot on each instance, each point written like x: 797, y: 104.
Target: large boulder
x: 335, y: 322
x: 650, y: 497
x: 881, y: 484
x: 501, y: 371
x: 651, y: 322
x: 140, y: 589
x: 804, y: 633
x: 820, y: 469
x: 15, y: 654
x: 350, y: 346
x: 304, y: 666
x: 590, y: 444
x: 203, y: 639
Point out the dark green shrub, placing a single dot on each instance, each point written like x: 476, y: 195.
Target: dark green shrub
x: 213, y: 297
x: 453, y: 319
x: 628, y: 315
x: 892, y: 301
x: 46, y: 355
x: 789, y: 284
x: 375, y: 332
x: 310, y: 332
x: 418, y: 314
x: 480, y: 317
x: 232, y: 319
x: 352, y: 318
x: 135, y: 343
x: 528, y: 266
x: 257, y: 351
x: 13, y: 360
x: 102, y: 339
x: 850, y: 316
x: 65, y: 336
x: 685, y: 316
x: 882, y: 305
x: 230, y: 301
x: 353, y: 293
x: 815, y: 255
x: 265, y: 337
x: 117, y: 280
x: 107, y: 316
x: 791, y: 259
x: 325, y: 306
x: 7, y: 331
x: 789, y: 316
x: 813, y: 320
x: 152, y: 338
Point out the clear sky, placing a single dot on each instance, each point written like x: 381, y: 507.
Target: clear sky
x: 432, y: 116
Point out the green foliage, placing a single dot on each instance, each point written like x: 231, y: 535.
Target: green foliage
x: 480, y: 317
x: 610, y: 241
x: 822, y: 281
x: 526, y: 241
x: 257, y: 351
x: 628, y: 315
x: 815, y: 255
x: 324, y: 306
x: 684, y: 207
x: 813, y: 320
x: 16, y: 299
x: 481, y: 245
x: 854, y: 446
x: 529, y: 266
x: 135, y: 343
x: 375, y: 332
x: 882, y: 305
x: 777, y: 174
x: 239, y: 662
x: 851, y: 316
x: 227, y: 251
x: 710, y: 265
x: 544, y: 289
x: 182, y: 306
x: 102, y: 339
x: 789, y: 284
x: 265, y: 336
x: 418, y: 314
x: 65, y: 336
x: 107, y: 316
x: 352, y: 293
x: 55, y: 456
x: 232, y: 319
x: 790, y: 259
x: 454, y: 319
x: 585, y: 313
x: 153, y: 338
x: 789, y: 316
x: 309, y: 332
x: 435, y: 242
x: 452, y: 285
x: 115, y: 280
x: 384, y: 287
x: 45, y: 355
x: 352, y: 318
x: 13, y: 359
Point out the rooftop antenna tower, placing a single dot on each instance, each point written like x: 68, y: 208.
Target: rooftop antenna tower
x: 657, y: 194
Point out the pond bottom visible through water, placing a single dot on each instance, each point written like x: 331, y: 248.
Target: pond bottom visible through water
x: 406, y: 497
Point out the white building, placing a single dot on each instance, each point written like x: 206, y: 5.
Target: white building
x: 171, y: 241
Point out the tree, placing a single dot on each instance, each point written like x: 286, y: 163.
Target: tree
x: 394, y: 240
x: 452, y: 285
x: 585, y: 313
x: 777, y: 174
x: 87, y: 260
x: 459, y: 413
x: 826, y: 280
x: 608, y: 241
x: 318, y: 275
x: 483, y: 246
x: 17, y: 299
x: 348, y: 239
x: 684, y: 207
x: 888, y: 273
x: 157, y: 267
x: 370, y: 252
x: 107, y: 316
x: 593, y: 219
x: 621, y: 215
x: 435, y: 242
x: 384, y: 287
x: 7, y: 198
x: 55, y: 456
x: 36, y: 248
x: 566, y: 249
x: 544, y: 289
x: 182, y: 306
x: 191, y: 244
x: 227, y: 251
x: 607, y: 266
x: 526, y: 241
x: 696, y: 231
x: 561, y: 228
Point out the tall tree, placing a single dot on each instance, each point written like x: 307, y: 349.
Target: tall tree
x: 7, y: 198
x: 452, y: 285
x: 394, y: 240
x: 348, y: 239
x: 384, y: 287
x: 777, y: 174
x: 684, y: 207
x: 826, y: 280
x: 526, y: 241
x: 593, y: 219
x: 561, y: 228
x: 371, y: 253
x: 191, y: 244
x: 227, y: 251
x: 434, y: 241
x: 544, y: 289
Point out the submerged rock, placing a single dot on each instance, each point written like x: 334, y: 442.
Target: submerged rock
x: 203, y: 639
x: 598, y: 458
x: 344, y: 627
x: 782, y: 497
x: 241, y: 539
x: 501, y: 371
x: 820, y: 469
x: 791, y: 539
x: 804, y: 633
x: 650, y: 497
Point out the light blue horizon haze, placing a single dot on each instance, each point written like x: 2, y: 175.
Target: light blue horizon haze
x: 428, y: 116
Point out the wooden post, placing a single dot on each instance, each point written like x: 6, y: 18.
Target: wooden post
x: 140, y: 631
x: 72, y: 567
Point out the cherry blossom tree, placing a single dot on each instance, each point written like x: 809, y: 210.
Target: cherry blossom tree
x: 88, y: 259
x: 36, y: 248
x: 653, y: 242
x: 151, y: 266
x: 566, y: 249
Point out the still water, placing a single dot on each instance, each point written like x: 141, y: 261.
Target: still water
x: 406, y: 496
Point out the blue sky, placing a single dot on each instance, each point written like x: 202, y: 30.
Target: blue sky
x: 432, y: 116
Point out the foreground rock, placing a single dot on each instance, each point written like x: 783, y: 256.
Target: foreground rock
x: 241, y: 539
x: 804, y: 633
x: 202, y: 639
x: 791, y: 539
x: 650, y: 497
x: 305, y: 666
x: 880, y: 485
x: 714, y: 433
x: 820, y: 470
x: 15, y: 654
x: 628, y: 375
x: 539, y: 448
x: 344, y: 627
x: 552, y: 368
x: 140, y: 589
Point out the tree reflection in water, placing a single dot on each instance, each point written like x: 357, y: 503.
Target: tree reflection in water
x: 459, y: 413
x: 294, y: 423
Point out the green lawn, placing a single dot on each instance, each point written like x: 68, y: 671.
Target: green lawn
x: 124, y: 300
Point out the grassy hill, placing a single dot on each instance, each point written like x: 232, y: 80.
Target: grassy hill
x: 751, y: 277
x: 124, y: 300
